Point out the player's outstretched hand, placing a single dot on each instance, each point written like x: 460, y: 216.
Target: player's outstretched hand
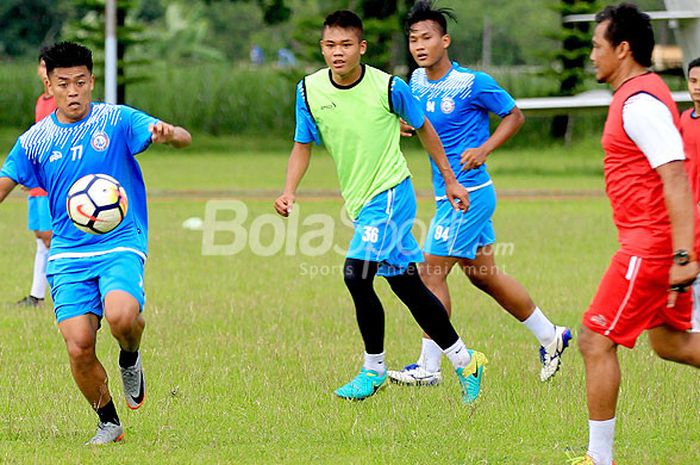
x: 680, y: 279
x: 284, y: 204
x: 473, y: 158
x: 458, y: 196
x: 406, y: 129
x: 161, y: 133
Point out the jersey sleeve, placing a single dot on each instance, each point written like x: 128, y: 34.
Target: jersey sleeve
x: 649, y: 123
x: 138, y: 135
x: 306, y: 130
x: 18, y: 167
x: 404, y: 104
x: 492, y: 97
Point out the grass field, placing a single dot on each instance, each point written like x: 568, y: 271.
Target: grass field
x: 242, y: 352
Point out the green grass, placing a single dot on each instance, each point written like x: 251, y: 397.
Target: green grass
x: 242, y: 352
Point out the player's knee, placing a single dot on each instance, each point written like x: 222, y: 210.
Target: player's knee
x: 81, y: 349
x: 121, y: 321
x: 356, y: 279
x: 433, y: 279
x: 590, y: 344
x: 668, y: 351
x: 480, y: 278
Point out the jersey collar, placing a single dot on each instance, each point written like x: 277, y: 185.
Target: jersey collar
x: 455, y: 65
x: 338, y: 86
x: 69, y: 125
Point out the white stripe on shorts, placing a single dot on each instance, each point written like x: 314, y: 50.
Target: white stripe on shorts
x: 631, y: 276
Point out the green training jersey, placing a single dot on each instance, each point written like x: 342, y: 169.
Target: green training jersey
x: 359, y: 125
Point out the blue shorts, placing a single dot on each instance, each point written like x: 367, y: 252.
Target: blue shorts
x: 383, y: 231
x: 79, y: 285
x: 456, y: 234
x: 38, y: 217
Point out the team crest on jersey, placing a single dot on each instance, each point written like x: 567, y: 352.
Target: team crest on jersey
x: 100, y: 141
x: 447, y: 105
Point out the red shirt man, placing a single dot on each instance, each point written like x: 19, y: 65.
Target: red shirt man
x: 45, y: 105
x: 690, y: 130
x: 653, y: 209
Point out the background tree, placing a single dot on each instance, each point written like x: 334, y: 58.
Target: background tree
x: 26, y: 25
x: 88, y: 29
x: 573, y: 56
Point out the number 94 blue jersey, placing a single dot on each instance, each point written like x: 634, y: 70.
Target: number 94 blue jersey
x: 458, y: 107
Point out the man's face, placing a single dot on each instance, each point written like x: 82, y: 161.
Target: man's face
x: 427, y: 43
x: 603, y: 55
x: 72, y: 90
x: 694, y: 84
x: 342, y: 49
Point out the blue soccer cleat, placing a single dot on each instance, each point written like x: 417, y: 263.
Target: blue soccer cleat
x: 470, y: 376
x: 362, y: 386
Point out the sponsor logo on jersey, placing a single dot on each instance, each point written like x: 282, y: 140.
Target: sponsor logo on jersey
x: 55, y: 155
x: 100, y: 141
x: 447, y: 105
x: 330, y: 106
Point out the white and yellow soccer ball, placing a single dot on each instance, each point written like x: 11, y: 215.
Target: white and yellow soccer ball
x: 96, y: 203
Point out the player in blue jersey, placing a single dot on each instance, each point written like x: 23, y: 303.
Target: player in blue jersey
x: 457, y: 101
x: 92, y: 276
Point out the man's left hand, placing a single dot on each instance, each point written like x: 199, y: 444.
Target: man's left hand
x: 680, y: 278
x: 473, y: 158
x: 161, y: 133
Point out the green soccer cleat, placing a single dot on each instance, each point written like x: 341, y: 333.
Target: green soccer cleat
x: 470, y: 376
x: 585, y: 460
x: 362, y: 386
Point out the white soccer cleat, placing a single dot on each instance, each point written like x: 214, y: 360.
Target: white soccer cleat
x: 550, y: 356
x: 415, y: 375
x: 106, y: 433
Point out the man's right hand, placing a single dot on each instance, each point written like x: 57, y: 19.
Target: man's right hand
x: 406, y: 129
x: 284, y: 204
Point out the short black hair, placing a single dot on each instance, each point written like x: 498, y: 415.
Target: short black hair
x: 345, y: 19
x: 693, y: 64
x: 424, y: 10
x: 67, y: 55
x: 627, y: 23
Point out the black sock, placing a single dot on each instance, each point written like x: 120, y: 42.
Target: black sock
x: 426, y: 309
x: 107, y: 413
x: 127, y: 359
x: 359, y: 279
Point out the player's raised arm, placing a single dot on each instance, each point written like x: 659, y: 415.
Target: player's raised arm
x: 6, y: 186
x: 453, y: 189
x: 296, y: 168
x: 165, y: 133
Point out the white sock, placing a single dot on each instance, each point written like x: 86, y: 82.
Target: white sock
x: 601, y: 435
x: 430, y: 355
x: 458, y: 355
x: 375, y: 362
x: 39, y: 283
x: 540, y: 326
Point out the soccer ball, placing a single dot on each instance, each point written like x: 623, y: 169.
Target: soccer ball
x: 96, y: 203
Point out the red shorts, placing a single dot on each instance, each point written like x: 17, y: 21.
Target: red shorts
x: 632, y: 297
